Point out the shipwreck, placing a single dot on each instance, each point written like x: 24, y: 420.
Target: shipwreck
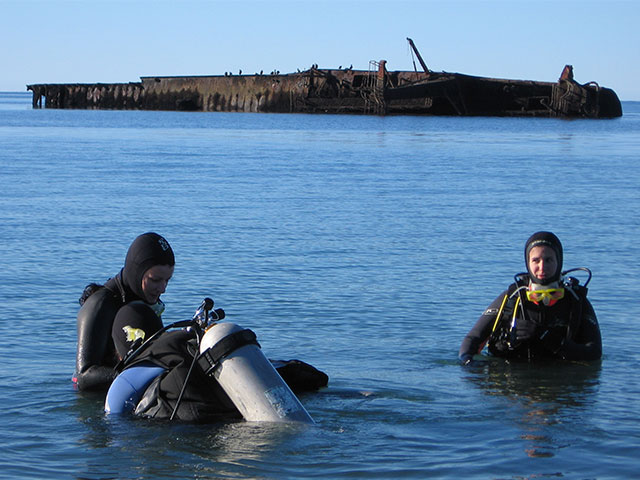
x: 376, y: 91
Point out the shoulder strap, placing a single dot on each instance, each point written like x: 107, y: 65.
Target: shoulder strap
x: 578, y: 296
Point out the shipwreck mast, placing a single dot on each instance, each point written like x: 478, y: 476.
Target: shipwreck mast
x: 415, y: 50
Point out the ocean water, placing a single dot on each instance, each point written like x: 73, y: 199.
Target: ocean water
x: 366, y: 246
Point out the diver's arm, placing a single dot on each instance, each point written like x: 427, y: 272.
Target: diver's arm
x: 133, y: 320
x: 587, y: 343
x: 475, y: 340
x: 94, y: 336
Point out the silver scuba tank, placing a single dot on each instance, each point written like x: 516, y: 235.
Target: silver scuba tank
x: 232, y: 355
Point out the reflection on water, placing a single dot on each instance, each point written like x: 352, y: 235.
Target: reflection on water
x: 245, y: 444
x: 154, y: 448
x: 538, y: 396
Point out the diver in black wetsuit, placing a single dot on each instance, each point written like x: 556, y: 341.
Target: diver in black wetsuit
x: 541, y: 316
x: 137, y: 287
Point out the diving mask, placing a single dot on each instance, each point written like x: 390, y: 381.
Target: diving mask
x: 548, y: 296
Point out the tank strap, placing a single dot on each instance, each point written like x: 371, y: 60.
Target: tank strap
x: 211, y: 357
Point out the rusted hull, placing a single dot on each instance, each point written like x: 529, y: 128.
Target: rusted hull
x: 341, y: 91
x: 465, y: 95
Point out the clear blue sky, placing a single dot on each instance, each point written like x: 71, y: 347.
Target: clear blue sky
x: 64, y: 41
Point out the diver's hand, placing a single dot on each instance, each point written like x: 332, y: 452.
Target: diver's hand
x: 466, y: 359
x: 553, y: 338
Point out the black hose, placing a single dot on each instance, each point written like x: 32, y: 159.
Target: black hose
x: 186, y: 380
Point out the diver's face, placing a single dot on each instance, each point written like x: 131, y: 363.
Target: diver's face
x: 542, y: 262
x: 154, y: 282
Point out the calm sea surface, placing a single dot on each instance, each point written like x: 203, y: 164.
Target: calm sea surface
x: 366, y: 246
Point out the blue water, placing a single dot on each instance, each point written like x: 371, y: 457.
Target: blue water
x: 366, y: 246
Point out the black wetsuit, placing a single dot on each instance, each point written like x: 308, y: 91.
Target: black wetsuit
x: 567, y: 330
x: 96, y: 354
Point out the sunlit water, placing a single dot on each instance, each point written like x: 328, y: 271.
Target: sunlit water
x: 366, y: 246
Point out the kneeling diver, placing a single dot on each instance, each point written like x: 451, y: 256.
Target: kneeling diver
x: 148, y: 267
x: 132, y: 297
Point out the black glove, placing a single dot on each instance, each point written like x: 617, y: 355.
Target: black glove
x: 466, y: 359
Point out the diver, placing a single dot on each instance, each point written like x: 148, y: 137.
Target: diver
x: 148, y: 267
x: 543, y: 315
x: 128, y: 308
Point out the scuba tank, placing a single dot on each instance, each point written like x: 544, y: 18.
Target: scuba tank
x: 229, y: 354
x: 233, y: 357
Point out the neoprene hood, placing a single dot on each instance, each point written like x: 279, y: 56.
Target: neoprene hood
x: 546, y: 239
x: 146, y: 251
